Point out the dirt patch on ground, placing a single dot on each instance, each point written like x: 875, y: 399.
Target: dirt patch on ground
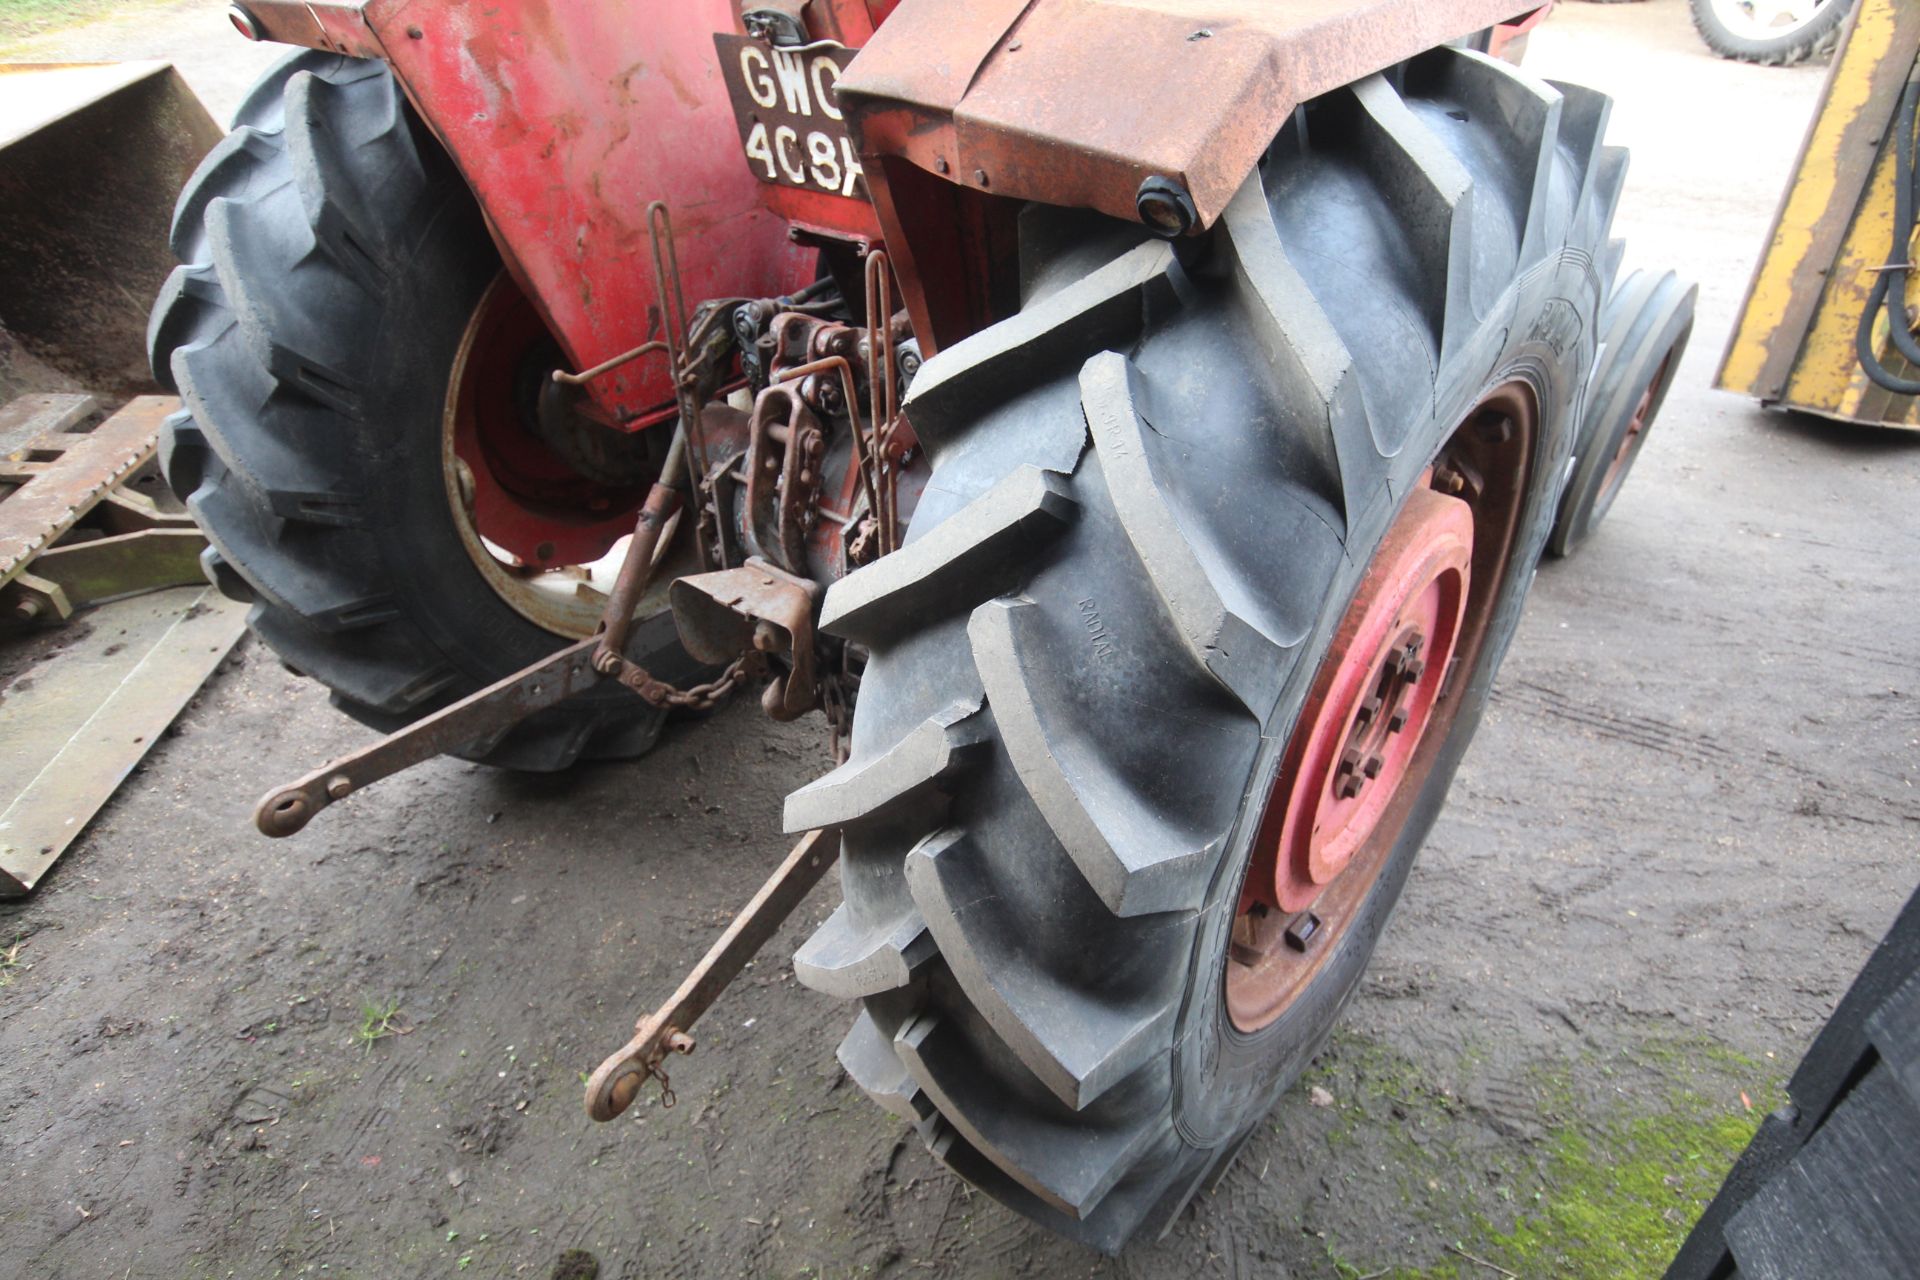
x: 1688, y: 816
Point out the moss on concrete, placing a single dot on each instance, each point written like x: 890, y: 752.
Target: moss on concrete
x: 1633, y: 1146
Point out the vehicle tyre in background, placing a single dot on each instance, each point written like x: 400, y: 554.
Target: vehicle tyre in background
x: 1828, y: 1184
x: 1772, y: 32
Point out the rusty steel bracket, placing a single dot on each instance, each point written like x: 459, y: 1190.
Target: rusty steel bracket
x: 479, y: 715
x: 756, y: 608
x: 784, y: 450
x: 614, y: 1085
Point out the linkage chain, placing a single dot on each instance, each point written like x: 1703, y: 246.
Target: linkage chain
x: 656, y: 692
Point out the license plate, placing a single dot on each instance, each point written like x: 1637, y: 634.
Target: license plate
x: 791, y: 128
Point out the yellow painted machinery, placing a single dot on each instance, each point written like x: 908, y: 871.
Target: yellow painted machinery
x: 1827, y: 326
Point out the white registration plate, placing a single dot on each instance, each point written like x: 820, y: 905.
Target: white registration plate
x: 791, y: 127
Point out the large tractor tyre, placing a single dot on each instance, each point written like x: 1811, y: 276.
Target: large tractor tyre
x: 341, y: 334
x: 1644, y: 330
x: 1223, y: 542
x: 1774, y: 33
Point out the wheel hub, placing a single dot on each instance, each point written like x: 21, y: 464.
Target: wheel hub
x: 1380, y: 712
x: 1635, y: 434
x: 1360, y: 731
x: 537, y: 501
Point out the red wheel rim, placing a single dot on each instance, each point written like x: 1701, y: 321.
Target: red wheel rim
x: 526, y: 499
x: 1382, y: 704
x: 1391, y: 654
x: 531, y: 522
x: 1636, y: 434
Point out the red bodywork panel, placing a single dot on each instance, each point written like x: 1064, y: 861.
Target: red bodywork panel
x: 568, y: 117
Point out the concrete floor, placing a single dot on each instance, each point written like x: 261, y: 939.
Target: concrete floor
x: 1688, y: 816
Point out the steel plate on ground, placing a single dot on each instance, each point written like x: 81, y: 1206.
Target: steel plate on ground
x: 74, y: 726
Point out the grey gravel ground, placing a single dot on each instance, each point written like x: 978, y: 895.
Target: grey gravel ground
x: 1688, y: 816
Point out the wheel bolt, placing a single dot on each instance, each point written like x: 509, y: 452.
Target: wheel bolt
x: 1372, y: 766
x: 1302, y: 930
x: 1349, y: 761
x: 1412, y: 671
x: 1349, y: 786
x: 1397, y: 721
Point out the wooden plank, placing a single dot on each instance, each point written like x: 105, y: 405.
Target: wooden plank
x: 90, y: 715
x: 1894, y: 1029
x: 1844, y: 1206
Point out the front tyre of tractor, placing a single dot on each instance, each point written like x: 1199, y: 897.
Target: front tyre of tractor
x: 369, y: 435
x: 1222, y: 546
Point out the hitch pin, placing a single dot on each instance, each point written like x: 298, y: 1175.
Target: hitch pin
x: 617, y: 1081
x: 585, y: 376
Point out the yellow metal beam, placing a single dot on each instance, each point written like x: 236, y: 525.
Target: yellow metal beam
x: 1794, y: 341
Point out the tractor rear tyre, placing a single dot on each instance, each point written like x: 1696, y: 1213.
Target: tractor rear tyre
x: 1222, y: 546
x: 344, y: 341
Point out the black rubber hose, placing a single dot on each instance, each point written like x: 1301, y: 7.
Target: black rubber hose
x: 1897, y: 266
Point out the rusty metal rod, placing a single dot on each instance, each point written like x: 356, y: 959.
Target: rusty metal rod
x: 673, y: 305
x: 585, y: 376
x: 662, y: 501
x: 883, y: 396
x: 617, y: 1081
x: 500, y: 705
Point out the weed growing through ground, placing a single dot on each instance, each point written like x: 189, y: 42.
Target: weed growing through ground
x: 10, y: 962
x: 378, y: 1020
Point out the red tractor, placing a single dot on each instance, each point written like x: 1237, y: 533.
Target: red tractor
x: 1133, y: 425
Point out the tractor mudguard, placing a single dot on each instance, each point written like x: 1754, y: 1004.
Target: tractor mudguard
x: 1151, y: 110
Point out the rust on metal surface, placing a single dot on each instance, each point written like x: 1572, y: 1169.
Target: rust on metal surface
x: 1636, y: 434
x: 839, y: 366
x: 785, y: 449
x: 1077, y: 102
x: 489, y: 712
x: 663, y: 501
x: 758, y: 608
x: 474, y: 718
x: 1380, y: 710
x: 61, y: 475
x: 617, y: 1081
